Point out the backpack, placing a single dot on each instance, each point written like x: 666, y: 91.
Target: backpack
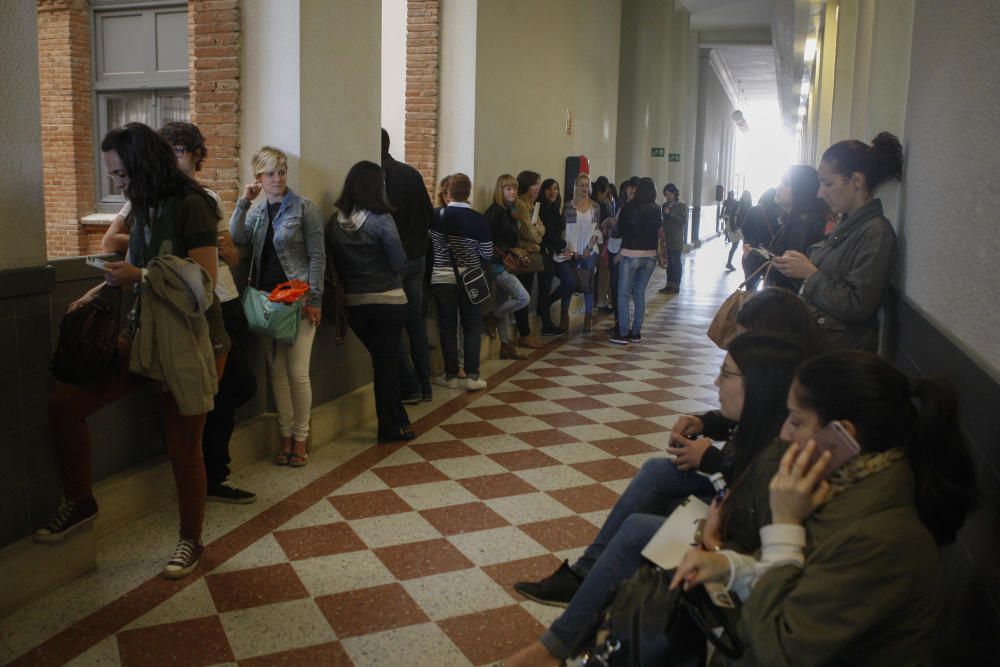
x: 88, y: 339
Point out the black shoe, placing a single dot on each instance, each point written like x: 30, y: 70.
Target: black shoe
x: 618, y: 339
x: 402, y: 436
x: 555, y: 590
x: 412, y: 399
x: 552, y: 331
x: 70, y: 516
x: 426, y: 398
x: 185, y: 559
x: 225, y: 492
x: 605, y: 309
x: 665, y: 290
x: 730, y: 267
x: 635, y: 338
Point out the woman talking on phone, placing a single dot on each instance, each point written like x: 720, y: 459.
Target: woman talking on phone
x: 849, y: 571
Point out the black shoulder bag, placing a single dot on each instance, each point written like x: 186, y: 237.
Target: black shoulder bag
x: 472, y: 280
x: 88, y: 338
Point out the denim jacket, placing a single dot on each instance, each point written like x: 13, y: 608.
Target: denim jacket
x: 369, y: 256
x: 298, y: 239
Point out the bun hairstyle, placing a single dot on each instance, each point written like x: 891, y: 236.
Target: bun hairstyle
x: 880, y: 162
x: 888, y: 409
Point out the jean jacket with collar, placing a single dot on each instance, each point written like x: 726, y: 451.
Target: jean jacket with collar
x: 298, y: 239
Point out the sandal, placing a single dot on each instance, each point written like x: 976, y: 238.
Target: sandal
x: 297, y: 460
x: 283, y: 458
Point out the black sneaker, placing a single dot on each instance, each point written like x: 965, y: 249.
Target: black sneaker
x: 70, y: 516
x: 225, y: 492
x: 412, y: 399
x: 185, y: 559
x: 635, y: 338
x: 552, y: 331
x: 618, y: 339
x: 555, y: 590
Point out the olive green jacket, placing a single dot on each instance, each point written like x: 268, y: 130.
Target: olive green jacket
x: 869, y: 592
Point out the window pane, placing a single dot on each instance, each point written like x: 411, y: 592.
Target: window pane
x: 174, y: 108
x: 122, y: 109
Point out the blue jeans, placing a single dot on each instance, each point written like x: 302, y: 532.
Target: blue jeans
x: 415, y: 377
x: 451, y: 303
x: 634, y: 275
x: 658, y: 488
x: 569, y: 633
x: 675, y: 268
x: 567, y: 282
x: 511, y: 297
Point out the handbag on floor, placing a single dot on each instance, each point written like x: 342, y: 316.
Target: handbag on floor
x: 649, y: 624
x: 723, y: 326
x: 88, y: 338
x: 273, y: 319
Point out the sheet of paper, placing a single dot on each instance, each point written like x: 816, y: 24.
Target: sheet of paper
x: 676, y: 535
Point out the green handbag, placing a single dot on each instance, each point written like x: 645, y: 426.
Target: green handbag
x: 279, y: 321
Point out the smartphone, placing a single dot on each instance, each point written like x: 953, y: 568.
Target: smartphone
x: 835, y: 439
x: 97, y: 263
x: 762, y: 252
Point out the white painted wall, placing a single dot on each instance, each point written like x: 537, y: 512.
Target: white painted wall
x: 949, y: 232
x: 22, y: 206
x: 270, y: 91
x: 457, y: 108
x: 394, y: 73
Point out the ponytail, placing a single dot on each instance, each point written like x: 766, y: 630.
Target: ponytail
x: 942, y: 466
x: 880, y: 162
x: 889, y: 410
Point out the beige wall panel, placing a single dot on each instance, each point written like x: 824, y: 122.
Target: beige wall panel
x: 535, y: 60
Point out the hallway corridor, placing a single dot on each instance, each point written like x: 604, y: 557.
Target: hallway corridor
x: 392, y: 555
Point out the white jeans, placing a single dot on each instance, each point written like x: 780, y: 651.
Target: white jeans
x: 289, y: 366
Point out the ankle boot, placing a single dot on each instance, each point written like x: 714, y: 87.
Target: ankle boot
x: 564, y: 318
x: 588, y: 321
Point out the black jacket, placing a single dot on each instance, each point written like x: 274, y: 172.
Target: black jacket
x: 639, y: 225
x: 412, y: 205
x: 799, y: 232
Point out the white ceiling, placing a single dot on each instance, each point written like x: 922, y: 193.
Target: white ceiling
x: 728, y: 14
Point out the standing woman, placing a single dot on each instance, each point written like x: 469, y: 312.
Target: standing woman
x: 554, y: 254
x: 733, y: 226
x: 511, y: 295
x: 847, y: 274
x: 583, y: 243
x: 530, y: 233
x: 285, y: 232
x: 370, y: 259
x: 171, y: 215
x: 803, y: 220
x: 639, y: 226
x: 606, y: 206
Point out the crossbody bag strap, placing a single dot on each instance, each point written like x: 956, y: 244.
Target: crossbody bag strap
x: 760, y: 268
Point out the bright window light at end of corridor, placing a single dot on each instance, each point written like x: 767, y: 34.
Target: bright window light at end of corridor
x: 764, y: 154
x: 810, y: 50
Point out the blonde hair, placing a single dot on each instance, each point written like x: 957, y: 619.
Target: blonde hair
x: 503, y: 181
x: 582, y: 174
x: 268, y: 159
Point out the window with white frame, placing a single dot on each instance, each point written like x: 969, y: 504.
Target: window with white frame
x: 140, y: 73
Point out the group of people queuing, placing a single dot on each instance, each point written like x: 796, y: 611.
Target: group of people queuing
x: 834, y: 498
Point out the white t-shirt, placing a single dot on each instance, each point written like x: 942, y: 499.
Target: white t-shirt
x: 225, y: 286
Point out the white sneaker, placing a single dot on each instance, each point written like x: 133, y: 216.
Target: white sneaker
x: 445, y: 381
x: 475, y: 384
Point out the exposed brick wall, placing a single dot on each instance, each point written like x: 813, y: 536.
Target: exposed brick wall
x: 214, y: 65
x: 423, y: 58
x: 67, y: 141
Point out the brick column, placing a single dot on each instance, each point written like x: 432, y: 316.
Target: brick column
x: 214, y: 85
x: 423, y: 58
x: 64, y: 64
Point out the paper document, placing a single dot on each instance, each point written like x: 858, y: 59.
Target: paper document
x: 676, y: 535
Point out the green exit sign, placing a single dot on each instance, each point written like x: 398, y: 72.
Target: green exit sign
x: 657, y: 152
x: 674, y: 157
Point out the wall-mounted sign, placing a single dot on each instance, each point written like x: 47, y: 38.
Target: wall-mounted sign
x: 674, y: 157
x: 657, y: 152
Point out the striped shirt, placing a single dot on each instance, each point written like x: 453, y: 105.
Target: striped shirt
x: 467, y: 233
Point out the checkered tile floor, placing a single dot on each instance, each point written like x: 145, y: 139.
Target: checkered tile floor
x: 406, y: 555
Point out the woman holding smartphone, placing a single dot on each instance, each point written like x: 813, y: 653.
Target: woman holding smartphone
x: 285, y: 232
x: 849, y: 570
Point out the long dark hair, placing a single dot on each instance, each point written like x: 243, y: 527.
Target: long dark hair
x: 364, y: 188
x: 804, y: 183
x: 645, y: 192
x: 778, y: 310
x: 153, y: 174
x: 879, y: 400
x: 549, y: 210
x: 880, y: 162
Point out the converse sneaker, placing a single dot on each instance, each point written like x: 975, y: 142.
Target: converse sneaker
x: 185, y: 559
x: 552, y: 331
x: 555, y: 590
x: 445, y: 381
x: 618, y: 339
x: 71, y: 515
x: 225, y: 492
x: 635, y: 338
x: 475, y: 384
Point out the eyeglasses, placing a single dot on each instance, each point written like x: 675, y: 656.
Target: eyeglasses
x: 725, y: 373
x: 180, y: 150
x: 119, y: 175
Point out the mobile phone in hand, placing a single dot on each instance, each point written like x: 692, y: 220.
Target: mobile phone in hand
x: 835, y: 439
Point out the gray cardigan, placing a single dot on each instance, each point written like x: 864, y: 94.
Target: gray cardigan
x: 855, y: 263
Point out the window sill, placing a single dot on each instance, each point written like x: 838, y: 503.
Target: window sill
x: 102, y: 219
